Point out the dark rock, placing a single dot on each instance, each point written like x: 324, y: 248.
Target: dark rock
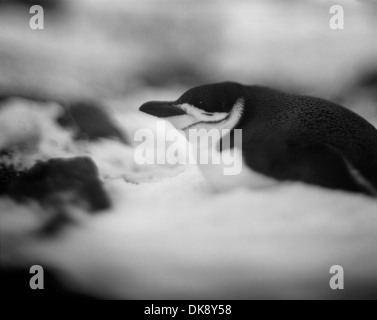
x: 59, y: 182
x: 8, y: 176
x: 90, y: 122
x: 88, y: 119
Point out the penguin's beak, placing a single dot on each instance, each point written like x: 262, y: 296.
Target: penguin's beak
x: 162, y: 109
x: 171, y: 112
x: 182, y: 116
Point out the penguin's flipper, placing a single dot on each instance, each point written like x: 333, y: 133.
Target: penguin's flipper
x: 316, y: 164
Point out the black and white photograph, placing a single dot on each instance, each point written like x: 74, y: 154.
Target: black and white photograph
x: 200, y: 151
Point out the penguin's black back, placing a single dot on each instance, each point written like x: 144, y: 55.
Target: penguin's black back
x: 289, y: 128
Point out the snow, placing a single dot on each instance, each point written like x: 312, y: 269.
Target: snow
x: 176, y: 239
x: 169, y: 235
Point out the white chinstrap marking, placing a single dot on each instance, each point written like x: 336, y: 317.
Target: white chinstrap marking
x: 227, y: 122
x: 203, y: 137
x: 201, y: 115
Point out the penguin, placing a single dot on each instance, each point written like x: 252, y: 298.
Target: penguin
x: 285, y: 137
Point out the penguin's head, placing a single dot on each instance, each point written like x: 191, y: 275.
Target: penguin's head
x: 210, y: 106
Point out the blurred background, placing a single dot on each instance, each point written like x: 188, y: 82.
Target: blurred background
x: 116, y: 49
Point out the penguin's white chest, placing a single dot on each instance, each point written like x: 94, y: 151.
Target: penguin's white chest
x: 232, y: 172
